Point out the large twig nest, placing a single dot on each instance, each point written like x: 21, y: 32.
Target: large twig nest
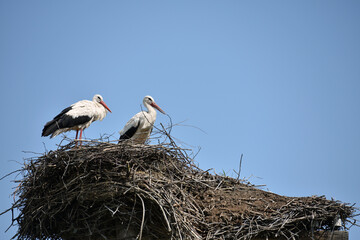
x: 124, y: 191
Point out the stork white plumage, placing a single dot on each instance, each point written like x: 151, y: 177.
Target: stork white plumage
x: 139, y: 127
x: 77, y: 117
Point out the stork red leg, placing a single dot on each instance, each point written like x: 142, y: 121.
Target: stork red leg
x: 76, y: 142
x: 81, y: 130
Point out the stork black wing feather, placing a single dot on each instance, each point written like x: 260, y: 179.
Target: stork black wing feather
x: 63, y: 112
x: 62, y: 120
x: 129, y: 133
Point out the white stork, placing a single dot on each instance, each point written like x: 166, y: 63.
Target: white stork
x: 77, y: 117
x: 139, y: 127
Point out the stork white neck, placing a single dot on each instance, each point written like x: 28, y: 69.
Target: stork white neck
x: 150, y: 109
x: 151, y: 106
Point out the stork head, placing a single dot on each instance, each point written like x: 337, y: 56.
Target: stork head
x: 148, y: 100
x: 99, y: 99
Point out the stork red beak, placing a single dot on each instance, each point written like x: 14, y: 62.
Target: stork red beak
x: 102, y: 103
x: 157, y: 107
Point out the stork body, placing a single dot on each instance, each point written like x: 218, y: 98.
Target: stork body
x: 139, y: 127
x: 77, y: 117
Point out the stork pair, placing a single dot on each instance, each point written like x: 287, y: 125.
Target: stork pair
x: 81, y: 114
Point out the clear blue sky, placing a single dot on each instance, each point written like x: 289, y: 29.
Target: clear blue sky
x: 278, y: 81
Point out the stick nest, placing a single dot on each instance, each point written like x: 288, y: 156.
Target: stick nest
x: 125, y: 191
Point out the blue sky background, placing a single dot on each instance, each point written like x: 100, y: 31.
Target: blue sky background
x: 278, y: 81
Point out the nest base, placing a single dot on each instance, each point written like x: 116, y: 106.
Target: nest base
x: 124, y: 191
